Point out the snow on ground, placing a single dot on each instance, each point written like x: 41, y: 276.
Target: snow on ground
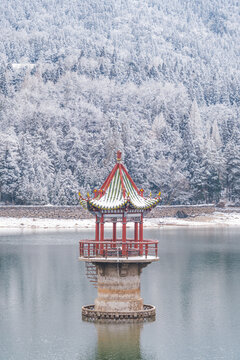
x: 215, y: 219
x: 36, y: 223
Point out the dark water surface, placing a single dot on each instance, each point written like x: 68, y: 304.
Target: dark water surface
x: 195, y: 287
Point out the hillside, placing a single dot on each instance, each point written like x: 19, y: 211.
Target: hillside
x: 159, y: 80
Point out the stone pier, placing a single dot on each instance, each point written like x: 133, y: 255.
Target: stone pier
x: 119, y: 287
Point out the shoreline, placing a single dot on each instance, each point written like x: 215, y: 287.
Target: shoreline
x: 77, y: 212
x: 216, y: 219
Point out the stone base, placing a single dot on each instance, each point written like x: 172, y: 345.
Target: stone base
x: 89, y: 313
x: 118, y: 288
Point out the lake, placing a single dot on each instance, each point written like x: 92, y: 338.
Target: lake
x: 195, y: 287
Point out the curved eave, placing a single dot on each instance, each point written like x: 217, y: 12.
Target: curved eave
x: 95, y: 205
x: 84, y: 203
x: 152, y: 204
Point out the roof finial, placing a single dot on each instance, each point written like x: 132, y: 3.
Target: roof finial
x: 119, y: 156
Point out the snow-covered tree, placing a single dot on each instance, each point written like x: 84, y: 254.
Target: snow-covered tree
x: 158, y: 80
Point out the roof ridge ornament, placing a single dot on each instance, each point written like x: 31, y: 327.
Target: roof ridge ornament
x: 119, y: 156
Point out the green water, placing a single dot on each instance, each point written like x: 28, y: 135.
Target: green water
x: 195, y: 287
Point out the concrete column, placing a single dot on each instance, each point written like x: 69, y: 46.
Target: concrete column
x: 124, y: 235
x: 118, y: 287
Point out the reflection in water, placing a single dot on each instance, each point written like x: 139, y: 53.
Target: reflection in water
x: 42, y: 289
x: 195, y: 287
x: 120, y: 339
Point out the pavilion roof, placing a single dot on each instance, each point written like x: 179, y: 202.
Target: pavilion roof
x: 119, y: 192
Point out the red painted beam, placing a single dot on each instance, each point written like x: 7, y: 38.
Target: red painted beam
x: 136, y: 235
x: 101, y: 234
x: 121, y: 178
x: 109, y: 178
x: 130, y: 179
x: 97, y: 234
x: 124, y: 235
x: 141, y: 235
x: 114, y: 232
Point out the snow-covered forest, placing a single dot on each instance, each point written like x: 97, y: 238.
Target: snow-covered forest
x: 158, y: 79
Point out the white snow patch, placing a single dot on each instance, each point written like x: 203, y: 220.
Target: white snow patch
x: 17, y: 66
x: 215, y: 219
x: 34, y: 224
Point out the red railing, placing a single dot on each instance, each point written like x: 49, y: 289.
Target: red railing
x: 110, y: 249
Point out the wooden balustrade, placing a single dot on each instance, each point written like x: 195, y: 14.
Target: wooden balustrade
x: 118, y: 249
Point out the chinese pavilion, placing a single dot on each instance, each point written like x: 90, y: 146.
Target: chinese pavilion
x: 118, y: 261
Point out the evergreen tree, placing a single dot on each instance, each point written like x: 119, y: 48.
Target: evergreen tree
x: 9, y: 176
x: 233, y: 172
x: 78, y: 84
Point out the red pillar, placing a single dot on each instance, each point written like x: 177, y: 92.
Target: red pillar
x: 141, y: 235
x: 114, y: 233
x: 124, y: 235
x: 136, y: 235
x: 101, y: 234
x: 97, y: 234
